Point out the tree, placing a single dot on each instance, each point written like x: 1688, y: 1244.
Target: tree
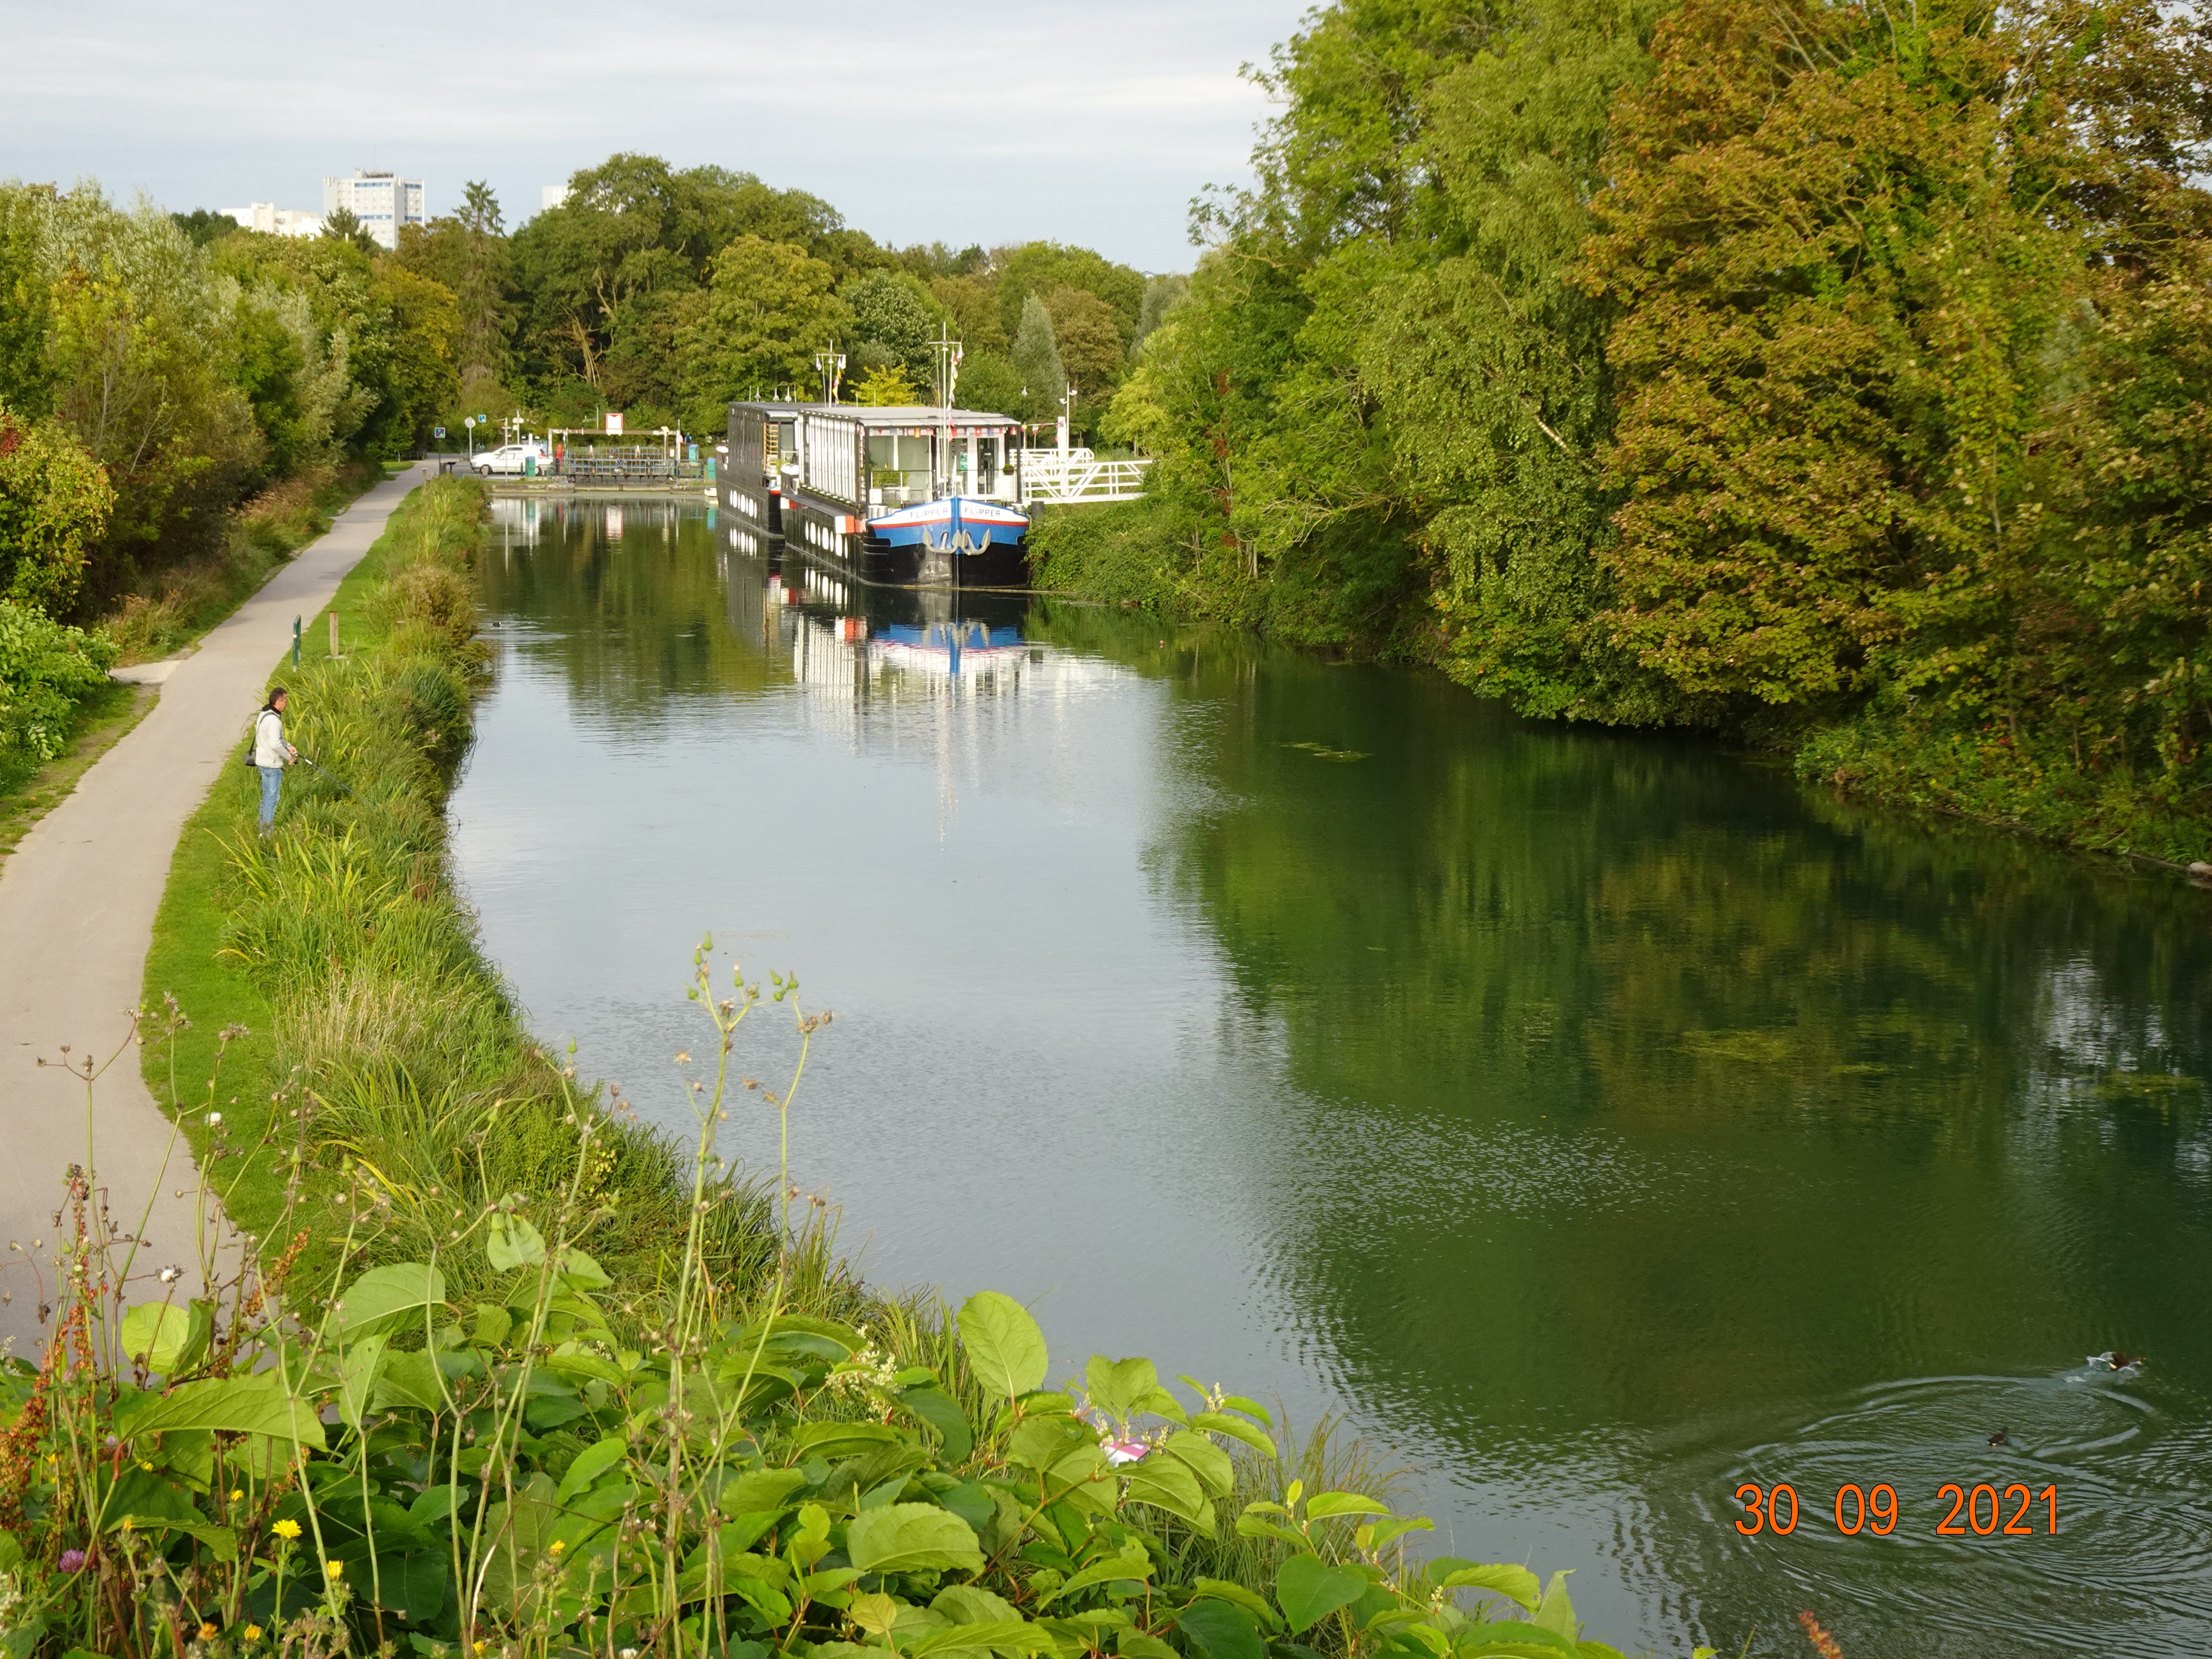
x: 988, y: 381
x: 1037, y: 358
x: 55, y: 500
x: 1088, y: 344
x: 343, y: 225
x: 894, y: 323
x: 972, y: 302
x: 884, y: 388
x: 468, y: 252
x: 1040, y: 267
x: 770, y: 308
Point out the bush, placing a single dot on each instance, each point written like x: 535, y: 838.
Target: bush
x: 45, y: 669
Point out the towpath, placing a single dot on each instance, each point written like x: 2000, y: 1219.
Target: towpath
x: 77, y: 901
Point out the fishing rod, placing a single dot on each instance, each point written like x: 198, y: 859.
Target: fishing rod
x: 327, y: 774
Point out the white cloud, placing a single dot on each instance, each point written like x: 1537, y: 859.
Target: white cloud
x: 986, y: 124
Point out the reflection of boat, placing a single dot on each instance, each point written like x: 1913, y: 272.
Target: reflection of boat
x: 899, y: 497
x: 938, y: 647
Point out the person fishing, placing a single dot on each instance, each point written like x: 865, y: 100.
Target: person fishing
x: 271, y: 754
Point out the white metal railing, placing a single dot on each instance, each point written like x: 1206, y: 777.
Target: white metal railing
x: 1048, y: 475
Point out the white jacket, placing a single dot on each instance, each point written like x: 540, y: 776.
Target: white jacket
x: 268, y: 747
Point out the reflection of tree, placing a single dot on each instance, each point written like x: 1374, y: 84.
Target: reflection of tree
x: 1629, y: 1079
x: 638, y: 623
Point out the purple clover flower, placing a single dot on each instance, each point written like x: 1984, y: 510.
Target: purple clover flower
x: 72, y: 1560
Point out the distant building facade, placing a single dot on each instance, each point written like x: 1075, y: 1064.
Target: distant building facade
x: 550, y: 196
x: 381, y: 201
x: 272, y: 220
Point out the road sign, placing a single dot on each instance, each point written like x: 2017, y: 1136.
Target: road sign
x: 438, y: 431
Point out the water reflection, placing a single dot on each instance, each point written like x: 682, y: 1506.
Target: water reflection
x: 1605, y: 1121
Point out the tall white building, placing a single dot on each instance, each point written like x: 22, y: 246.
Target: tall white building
x: 381, y: 201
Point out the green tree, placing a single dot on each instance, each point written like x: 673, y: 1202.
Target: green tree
x: 1084, y: 334
x: 894, y: 322
x: 770, y: 308
x: 342, y: 225
x: 1040, y: 267
x: 1036, y: 358
x: 55, y: 500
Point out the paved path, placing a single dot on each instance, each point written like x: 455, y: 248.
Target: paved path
x: 77, y: 899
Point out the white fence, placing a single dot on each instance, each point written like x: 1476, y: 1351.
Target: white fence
x: 1076, y: 475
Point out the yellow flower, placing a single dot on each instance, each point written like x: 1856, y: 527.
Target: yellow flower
x: 144, y: 1465
x: 129, y: 1521
x: 285, y: 1528
x: 557, y: 1546
x: 238, y: 1493
x: 207, y: 1632
x: 253, y: 1632
x: 334, y: 1568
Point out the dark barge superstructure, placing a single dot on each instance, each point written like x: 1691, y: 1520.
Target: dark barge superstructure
x: 890, y: 497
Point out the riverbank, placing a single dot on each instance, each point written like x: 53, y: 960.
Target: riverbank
x: 2036, y: 776
x: 378, y: 1079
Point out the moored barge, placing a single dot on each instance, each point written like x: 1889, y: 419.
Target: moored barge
x: 894, y: 497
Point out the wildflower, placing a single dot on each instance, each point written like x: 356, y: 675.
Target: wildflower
x: 143, y: 1464
x: 253, y: 1633
x: 72, y: 1560
x: 236, y: 1493
x: 285, y: 1528
x: 557, y: 1546
x: 215, y: 1117
x: 129, y: 1521
x: 170, y: 1275
x: 333, y: 1569
x: 207, y: 1632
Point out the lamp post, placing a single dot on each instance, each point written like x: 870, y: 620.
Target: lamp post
x: 470, y: 422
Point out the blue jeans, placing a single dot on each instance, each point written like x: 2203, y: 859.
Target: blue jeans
x: 273, y: 779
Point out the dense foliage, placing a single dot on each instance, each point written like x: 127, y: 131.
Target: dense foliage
x: 1817, y: 371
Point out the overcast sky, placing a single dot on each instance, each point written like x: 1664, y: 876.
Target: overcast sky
x: 975, y: 123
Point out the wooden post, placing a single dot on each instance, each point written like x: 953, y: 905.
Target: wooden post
x: 334, y: 631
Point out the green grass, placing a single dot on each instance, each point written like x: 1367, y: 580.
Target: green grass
x: 377, y: 1087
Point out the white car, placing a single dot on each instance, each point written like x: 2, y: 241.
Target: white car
x: 509, y: 457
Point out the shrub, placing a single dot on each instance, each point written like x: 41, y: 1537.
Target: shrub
x: 45, y: 669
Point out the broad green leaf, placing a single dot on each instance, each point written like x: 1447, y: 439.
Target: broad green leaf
x: 1135, y: 1644
x: 760, y: 1489
x: 837, y: 1440
x: 1005, y: 1349
x: 221, y: 1542
x: 911, y: 1538
x: 581, y: 1272
x: 942, y: 1413
x: 510, y: 1241
x: 1133, y: 1562
x: 409, y: 1379
x: 492, y: 1326
x: 1504, y: 1578
x: 1603, y: 1650
x: 1001, y: 1635
x: 1378, y: 1534
x: 1508, y: 1639
x: 1323, y: 1504
x: 1222, y: 1630
x: 1556, y: 1613
x: 254, y: 1404
x: 11, y: 1552
x: 1308, y: 1589
x: 591, y: 1463
x: 966, y: 1604
x: 1221, y: 1589
x: 382, y: 1298
x: 1207, y: 1461
x: 170, y: 1340
x: 1235, y: 1428
x: 873, y: 1613
x: 358, y: 1372
x: 1117, y: 1387
x: 1042, y: 1442
x: 1167, y: 1483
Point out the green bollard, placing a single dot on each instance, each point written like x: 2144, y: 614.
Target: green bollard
x: 296, y: 641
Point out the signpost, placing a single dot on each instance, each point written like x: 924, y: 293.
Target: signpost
x: 614, y: 423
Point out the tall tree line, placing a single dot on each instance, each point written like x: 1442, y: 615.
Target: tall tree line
x: 1835, y: 374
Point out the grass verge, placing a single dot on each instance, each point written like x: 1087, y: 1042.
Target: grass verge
x: 374, y: 1080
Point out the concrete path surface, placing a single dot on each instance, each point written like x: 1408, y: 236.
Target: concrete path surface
x: 77, y: 902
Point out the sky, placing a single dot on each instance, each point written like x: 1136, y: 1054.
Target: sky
x: 975, y: 123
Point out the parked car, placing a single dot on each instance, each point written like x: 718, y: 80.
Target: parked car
x: 509, y: 457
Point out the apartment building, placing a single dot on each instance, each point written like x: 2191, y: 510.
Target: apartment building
x: 381, y: 201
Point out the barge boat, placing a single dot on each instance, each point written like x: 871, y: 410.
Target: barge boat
x: 891, y: 497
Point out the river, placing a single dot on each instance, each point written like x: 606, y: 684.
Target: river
x: 1598, y: 1123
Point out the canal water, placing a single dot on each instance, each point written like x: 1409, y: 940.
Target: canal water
x: 1600, y: 1123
